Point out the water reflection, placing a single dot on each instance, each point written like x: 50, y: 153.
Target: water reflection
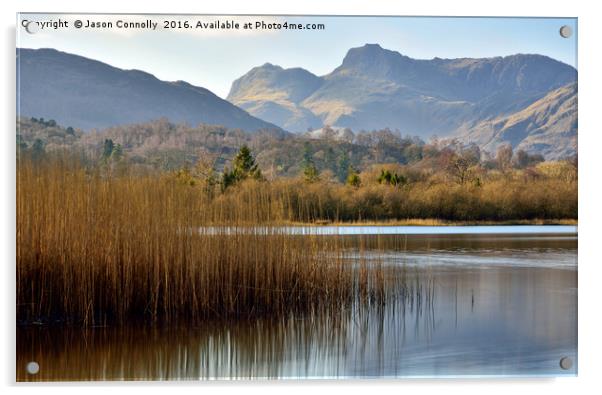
x: 463, y: 251
x: 457, y: 318
x: 393, y: 230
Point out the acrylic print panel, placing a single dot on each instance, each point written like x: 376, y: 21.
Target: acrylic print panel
x: 269, y: 197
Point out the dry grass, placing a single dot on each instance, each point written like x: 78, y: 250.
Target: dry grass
x: 94, y: 248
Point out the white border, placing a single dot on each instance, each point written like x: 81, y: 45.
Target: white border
x: 590, y: 144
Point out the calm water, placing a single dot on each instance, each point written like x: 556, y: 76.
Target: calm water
x: 491, y: 303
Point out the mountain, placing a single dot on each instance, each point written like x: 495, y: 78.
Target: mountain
x: 274, y: 94
x: 376, y: 88
x: 547, y: 127
x: 84, y: 93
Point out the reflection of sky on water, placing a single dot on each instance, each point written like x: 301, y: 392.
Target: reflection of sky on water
x: 509, y: 321
x: 514, y: 258
x: 462, y: 308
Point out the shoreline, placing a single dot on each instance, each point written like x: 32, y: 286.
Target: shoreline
x: 436, y: 222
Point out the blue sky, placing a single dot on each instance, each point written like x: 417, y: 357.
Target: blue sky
x: 213, y: 59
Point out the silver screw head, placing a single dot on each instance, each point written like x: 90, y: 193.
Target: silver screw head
x: 566, y: 363
x: 32, y: 27
x: 566, y: 31
x: 32, y: 367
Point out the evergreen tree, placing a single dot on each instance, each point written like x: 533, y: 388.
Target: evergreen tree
x: 310, y: 172
x: 388, y: 178
x: 117, y: 152
x: 343, y: 166
x: 107, y: 149
x: 307, y: 153
x: 243, y: 167
x: 228, y: 179
x: 330, y: 159
x: 38, y: 149
x: 353, y: 177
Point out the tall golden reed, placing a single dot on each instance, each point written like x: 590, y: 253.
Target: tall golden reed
x: 95, y: 247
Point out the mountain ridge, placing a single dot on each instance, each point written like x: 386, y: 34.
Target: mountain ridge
x: 87, y: 94
x: 375, y: 88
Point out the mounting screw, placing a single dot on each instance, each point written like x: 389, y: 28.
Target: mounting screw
x: 32, y: 367
x: 566, y: 363
x: 566, y: 31
x: 32, y: 27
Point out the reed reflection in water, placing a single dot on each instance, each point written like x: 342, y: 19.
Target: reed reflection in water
x: 471, y: 315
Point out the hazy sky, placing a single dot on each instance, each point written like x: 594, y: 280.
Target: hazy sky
x: 214, y: 58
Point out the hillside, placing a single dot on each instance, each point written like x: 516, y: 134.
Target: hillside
x: 547, y: 127
x: 271, y: 92
x: 84, y: 93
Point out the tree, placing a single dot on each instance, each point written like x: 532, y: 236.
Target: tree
x: 522, y: 159
x: 310, y: 172
x: 117, y: 152
x: 388, y: 178
x: 412, y: 153
x: 472, y: 154
x: 243, y: 167
x: 204, y: 170
x: 330, y: 159
x: 38, y: 149
x: 228, y: 179
x: 353, y: 177
x: 343, y: 166
x: 503, y: 157
x: 107, y: 149
x: 111, y: 152
x: 307, y: 153
x: 460, y: 164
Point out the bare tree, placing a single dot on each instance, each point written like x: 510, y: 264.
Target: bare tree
x: 503, y: 157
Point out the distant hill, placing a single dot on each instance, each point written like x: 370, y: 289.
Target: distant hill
x: 271, y: 92
x: 375, y: 88
x: 84, y: 93
x: 547, y: 127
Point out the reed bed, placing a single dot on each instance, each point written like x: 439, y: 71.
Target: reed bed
x: 96, y: 247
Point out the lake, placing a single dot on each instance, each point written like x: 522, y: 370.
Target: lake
x: 472, y: 301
